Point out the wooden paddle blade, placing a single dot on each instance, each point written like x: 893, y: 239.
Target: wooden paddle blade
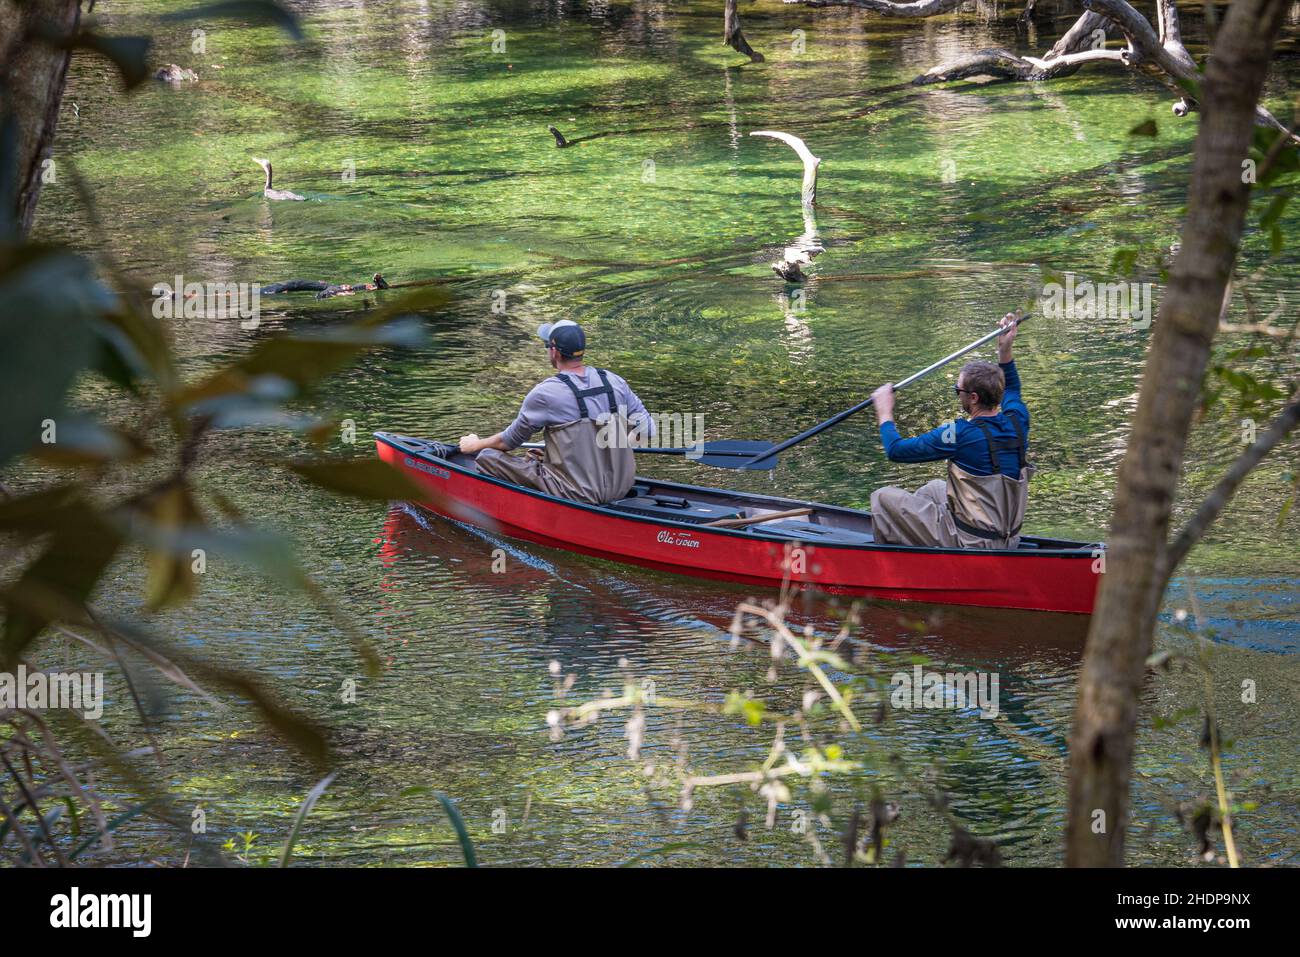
x: 735, y: 454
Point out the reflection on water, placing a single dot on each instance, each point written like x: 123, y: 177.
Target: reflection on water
x: 938, y: 209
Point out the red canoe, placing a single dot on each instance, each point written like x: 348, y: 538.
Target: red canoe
x: 660, y: 525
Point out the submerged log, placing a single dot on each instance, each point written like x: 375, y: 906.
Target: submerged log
x: 324, y: 290
x: 801, y: 252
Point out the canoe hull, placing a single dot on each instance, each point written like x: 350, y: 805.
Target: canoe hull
x: 1059, y: 580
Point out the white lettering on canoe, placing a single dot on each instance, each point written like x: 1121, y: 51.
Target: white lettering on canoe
x: 678, y: 538
x: 427, y: 469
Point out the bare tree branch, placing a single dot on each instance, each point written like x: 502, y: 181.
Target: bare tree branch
x: 1157, y: 51
x: 810, y: 162
x: 918, y: 8
x: 1214, y: 504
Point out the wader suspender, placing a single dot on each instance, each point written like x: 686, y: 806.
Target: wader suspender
x: 994, y: 446
x: 605, y: 389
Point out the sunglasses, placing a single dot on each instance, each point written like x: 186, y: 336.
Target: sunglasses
x: 958, y: 390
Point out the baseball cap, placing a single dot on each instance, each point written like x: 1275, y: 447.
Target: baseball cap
x: 566, y: 335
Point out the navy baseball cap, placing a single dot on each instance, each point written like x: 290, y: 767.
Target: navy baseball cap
x: 566, y: 335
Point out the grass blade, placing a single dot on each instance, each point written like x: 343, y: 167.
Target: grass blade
x: 308, y: 803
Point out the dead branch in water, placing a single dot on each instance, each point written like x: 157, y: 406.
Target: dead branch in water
x: 1156, y: 51
x: 801, y: 252
x: 732, y: 36
x: 323, y: 289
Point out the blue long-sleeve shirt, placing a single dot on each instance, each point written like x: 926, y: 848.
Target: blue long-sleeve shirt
x: 963, y: 442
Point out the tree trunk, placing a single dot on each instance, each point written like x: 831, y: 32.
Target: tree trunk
x: 33, y: 75
x: 1119, y: 642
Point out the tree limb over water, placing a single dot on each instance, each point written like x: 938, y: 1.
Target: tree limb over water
x: 1156, y: 51
x: 1213, y: 505
x: 918, y: 8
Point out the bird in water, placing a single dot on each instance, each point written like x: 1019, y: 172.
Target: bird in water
x: 267, y: 191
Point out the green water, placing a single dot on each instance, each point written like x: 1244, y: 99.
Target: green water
x: 939, y: 210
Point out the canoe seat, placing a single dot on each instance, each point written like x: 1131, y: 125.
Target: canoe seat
x: 810, y: 533
x: 673, y: 508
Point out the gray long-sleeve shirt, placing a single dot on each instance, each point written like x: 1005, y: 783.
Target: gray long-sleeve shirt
x: 551, y: 402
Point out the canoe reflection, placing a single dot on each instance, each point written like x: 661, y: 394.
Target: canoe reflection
x: 577, y: 596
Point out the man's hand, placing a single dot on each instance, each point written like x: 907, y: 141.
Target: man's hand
x: 883, y: 403
x: 1005, y: 340
x: 471, y: 444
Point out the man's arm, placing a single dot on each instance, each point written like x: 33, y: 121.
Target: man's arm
x: 637, y: 414
x: 1011, y: 400
x: 471, y: 444
x: 927, y: 447
x: 530, y: 420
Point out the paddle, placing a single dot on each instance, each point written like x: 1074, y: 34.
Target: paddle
x: 730, y: 454
x: 770, y: 455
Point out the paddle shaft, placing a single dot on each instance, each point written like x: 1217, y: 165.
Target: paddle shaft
x: 841, y: 416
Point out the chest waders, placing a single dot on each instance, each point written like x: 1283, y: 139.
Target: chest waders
x: 988, y: 510
x: 596, y: 459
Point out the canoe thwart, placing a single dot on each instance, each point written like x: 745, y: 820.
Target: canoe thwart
x: 755, y: 519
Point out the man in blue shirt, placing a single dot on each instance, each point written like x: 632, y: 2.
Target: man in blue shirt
x: 982, y: 502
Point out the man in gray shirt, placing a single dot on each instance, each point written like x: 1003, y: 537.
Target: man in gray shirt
x: 591, y: 419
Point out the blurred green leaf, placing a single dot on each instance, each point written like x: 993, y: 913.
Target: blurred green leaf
x: 251, y: 10
x: 50, y: 299
x: 303, y: 733
x: 57, y: 585
x: 133, y: 346
x: 300, y: 361
x: 1274, y: 210
x: 130, y: 54
x: 58, y: 507
x: 249, y: 548
x: 308, y: 803
x: 171, y: 578
x: 1285, y: 161
x: 367, y: 478
x: 82, y: 439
